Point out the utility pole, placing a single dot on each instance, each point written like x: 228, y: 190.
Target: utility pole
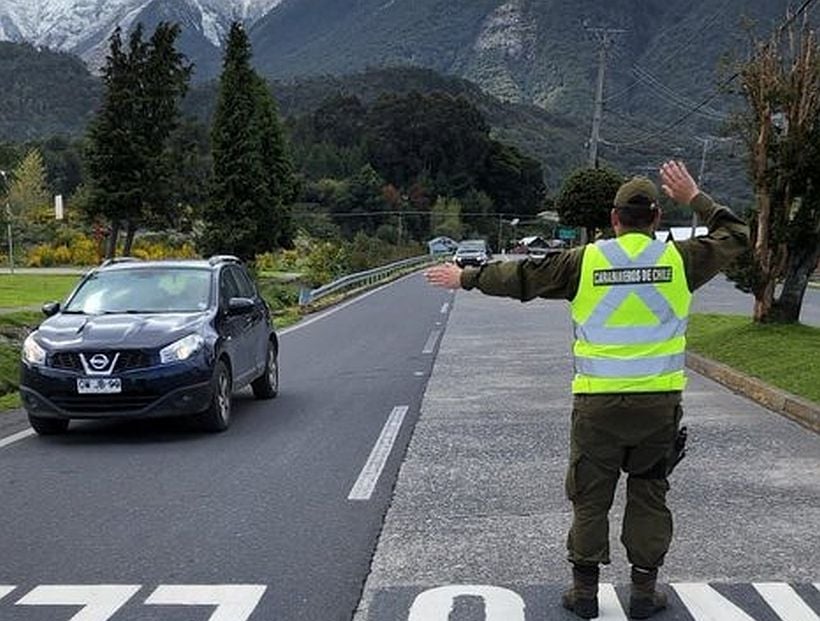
x: 606, y: 37
x: 707, y: 142
x: 8, y: 221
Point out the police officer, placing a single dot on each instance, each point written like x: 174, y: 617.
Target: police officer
x: 630, y: 299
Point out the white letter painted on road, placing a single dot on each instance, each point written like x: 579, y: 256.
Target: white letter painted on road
x: 706, y: 604
x: 5, y: 590
x: 784, y: 601
x: 99, y: 601
x: 437, y: 604
x: 234, y: 602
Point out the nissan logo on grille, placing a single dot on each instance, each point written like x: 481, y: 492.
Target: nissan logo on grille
x: 99, y: 361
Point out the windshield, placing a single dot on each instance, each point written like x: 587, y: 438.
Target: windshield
x: 473, y: 246
x: 143, y: 290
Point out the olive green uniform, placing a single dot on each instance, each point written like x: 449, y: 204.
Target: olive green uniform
x: 633, y: 432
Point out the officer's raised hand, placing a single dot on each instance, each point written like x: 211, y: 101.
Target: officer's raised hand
x: 678, y: 183
x: 447, y: 275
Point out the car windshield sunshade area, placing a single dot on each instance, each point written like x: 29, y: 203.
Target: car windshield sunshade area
x: 143, y: 290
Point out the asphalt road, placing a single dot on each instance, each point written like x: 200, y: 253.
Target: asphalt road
x: 477, y: 527
x: 154, y: 510
x: 721, y: 296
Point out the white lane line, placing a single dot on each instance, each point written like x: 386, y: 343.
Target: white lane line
x: 430, y: 345
x: 5, y: 590
x: 16, y: 437
x: 784, y: 601
x: 234, y: 602
x: 445, y: 307
x: 369, y: 476
x: 343, y: 305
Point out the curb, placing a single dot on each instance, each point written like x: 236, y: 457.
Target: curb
x: 791, y: 406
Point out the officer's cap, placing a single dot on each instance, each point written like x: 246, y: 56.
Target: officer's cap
x: 637, y: 192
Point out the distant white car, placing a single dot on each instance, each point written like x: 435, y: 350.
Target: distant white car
x: 474, y: 252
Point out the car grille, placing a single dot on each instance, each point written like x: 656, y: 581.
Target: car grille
x: 128, y: 360
x: 103, y: 403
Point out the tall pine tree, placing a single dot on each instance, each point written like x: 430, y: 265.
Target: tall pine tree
x: 127, y: 156
x: 253, y: 178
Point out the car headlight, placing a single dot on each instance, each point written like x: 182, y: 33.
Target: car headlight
x: 182, y: 349
x: 33, y: 353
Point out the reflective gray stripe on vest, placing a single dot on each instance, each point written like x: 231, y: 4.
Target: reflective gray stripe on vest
x: 595, y: 330
x: 638, y: 367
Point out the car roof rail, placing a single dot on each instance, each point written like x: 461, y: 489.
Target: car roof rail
x: 116, y: 260
x: 223, y: 258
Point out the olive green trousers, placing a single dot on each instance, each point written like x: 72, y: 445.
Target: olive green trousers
x: 633, y: 433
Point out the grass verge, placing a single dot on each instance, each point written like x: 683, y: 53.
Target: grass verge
x: 30, y: 290
x: 781, y: 355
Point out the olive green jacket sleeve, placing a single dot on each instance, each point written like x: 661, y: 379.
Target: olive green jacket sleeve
x: 728, y: 237
x: 557, y: 275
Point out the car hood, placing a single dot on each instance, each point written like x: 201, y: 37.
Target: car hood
x: 117, y: 331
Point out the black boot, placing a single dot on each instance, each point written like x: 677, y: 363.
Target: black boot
x: 582, y: 597
x: 644, y: 599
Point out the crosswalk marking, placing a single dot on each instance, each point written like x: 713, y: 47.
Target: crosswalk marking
x: 610, y: 607
x: 5, y: 590
x: 784, y: 601
x: 234, y: 602
x: 100, y: 601
x: 706, y: 604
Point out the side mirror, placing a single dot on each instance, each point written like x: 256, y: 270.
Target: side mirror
x: 51, y: 308
x: 240, y: 306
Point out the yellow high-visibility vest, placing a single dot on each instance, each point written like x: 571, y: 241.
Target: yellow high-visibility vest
x: 630, y: 316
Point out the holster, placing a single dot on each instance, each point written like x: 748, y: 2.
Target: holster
x: 678, y: 451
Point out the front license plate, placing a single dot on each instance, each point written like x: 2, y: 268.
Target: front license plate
x: 99, y: 385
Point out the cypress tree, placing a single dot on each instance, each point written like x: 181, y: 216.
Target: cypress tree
x: 253, y: 178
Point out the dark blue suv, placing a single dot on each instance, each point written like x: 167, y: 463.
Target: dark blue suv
x: 151, y: 338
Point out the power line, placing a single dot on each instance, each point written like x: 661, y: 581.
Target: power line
x: 803, y: 8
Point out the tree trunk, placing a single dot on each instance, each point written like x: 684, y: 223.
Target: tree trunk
x: 113, y: 238
x: 802, y: 262
x: 130, y: 232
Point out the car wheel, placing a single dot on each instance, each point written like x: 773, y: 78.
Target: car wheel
x: 266, y: 386
x: 48, y: 426
x: 218, y: 415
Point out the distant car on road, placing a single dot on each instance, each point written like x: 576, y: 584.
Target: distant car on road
x: 140, y: 339
x: 473, y: 252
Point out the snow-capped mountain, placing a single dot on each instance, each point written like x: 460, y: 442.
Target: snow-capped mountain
x: 83, y: 26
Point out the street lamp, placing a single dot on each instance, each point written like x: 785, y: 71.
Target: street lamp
x: 513, y: 223
x: 8, y: 221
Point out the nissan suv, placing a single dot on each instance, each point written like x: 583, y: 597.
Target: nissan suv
x: 149, y: 339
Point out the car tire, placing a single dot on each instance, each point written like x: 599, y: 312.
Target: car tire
x: 266, y: 386
x: 48, y: 426
x: 218, y: 415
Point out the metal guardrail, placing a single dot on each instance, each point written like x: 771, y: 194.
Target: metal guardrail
x: 307, y: 296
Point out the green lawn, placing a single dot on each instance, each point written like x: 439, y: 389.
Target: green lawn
x: 786, y: 356
x: 34, y: 289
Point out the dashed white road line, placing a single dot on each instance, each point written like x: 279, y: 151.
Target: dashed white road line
x: 16, y: 437
x: 445, y: 307
x: 430, y: 345
x: 369, y: 476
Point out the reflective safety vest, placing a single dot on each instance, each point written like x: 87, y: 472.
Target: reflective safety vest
x: 630, y: 316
